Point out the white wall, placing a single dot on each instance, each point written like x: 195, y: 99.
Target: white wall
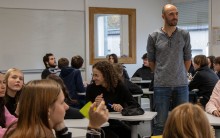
x: 214, y: 21
x: 148, y: 19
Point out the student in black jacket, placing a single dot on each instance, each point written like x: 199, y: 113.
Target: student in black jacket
x: 217, y: 66
x: 204, y: 79
x: 144, y: 72
x: 133, y: 88
x: 107, y: 86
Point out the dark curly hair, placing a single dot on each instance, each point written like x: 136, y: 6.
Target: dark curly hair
x: 110, y: 76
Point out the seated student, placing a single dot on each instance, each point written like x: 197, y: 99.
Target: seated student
x: 191, y: 71
x: 77, y: 63
x: 213, y: 106
x: 42, y: 108
x: 73, y: 80
x: 144, y: 72
x: 50, y: 66
x: 133, y: 88
x: 107, y: 86
x: 14, y: 83
x: 217, y: 66
x: 71, y: 113
x: 211, y: 60
x: 113, y: 58
x: 187, y: 121
x: 5, y: 117
x: 204, y: 79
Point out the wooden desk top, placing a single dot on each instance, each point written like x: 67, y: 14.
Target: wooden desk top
x: 147, y: 116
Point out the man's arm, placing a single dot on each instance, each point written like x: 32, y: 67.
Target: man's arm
x: 187, y: 64
x: 152, y: 66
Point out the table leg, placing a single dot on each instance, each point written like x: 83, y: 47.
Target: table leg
x: 134, y: 133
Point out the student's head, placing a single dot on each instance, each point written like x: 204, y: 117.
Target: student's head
x: 211, y: 62
x: 2, y: 85
x: 14, y: 80
x: 105, y: 75
x: 200, y: 61
x: 187, y: 121
x: 118, y: 69
x: 60, y: 82
x: 49, y: 60
x: 77, y: 62
x: 41, y: 108
x: 145, y: 60
x: 217, y: 64
x: 63, y: 62
x: 113, y: 58
x: 170, y: 15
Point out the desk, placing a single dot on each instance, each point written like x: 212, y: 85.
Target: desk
x: 77, y: 133
x: 150, y: 95
x: 79, y: 123
x: 141, y: 81
x: 213, y: 120
x: 147, y: 116
x: 138, y: 97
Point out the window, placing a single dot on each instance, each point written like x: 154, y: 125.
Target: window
x: 193, y: 17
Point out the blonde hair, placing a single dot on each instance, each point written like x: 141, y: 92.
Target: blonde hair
x: 9, y: 71
x: 187, y: 121
x: 35, y: 100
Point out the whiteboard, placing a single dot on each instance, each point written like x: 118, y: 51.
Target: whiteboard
x: 26, y: 35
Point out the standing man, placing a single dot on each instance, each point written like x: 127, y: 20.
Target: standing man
x: 169, y: 56
x: 50, y: 64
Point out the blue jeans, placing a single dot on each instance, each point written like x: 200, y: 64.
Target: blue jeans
x: 162, y: 99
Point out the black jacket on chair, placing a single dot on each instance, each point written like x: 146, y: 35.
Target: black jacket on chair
x: 204, y: 80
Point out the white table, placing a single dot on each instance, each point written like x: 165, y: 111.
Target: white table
x: 149, y: 94
x: 138, y: 96
x: 141, y: 81
x: 147, y: 116
x: 78, y: 133
x: 213, y: 120
x: 79, y: 123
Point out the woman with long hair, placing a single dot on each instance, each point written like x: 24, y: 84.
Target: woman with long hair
x: 14, y: 82
x: 109, y: 87
x: 5, y: 117
x: 42, y: 108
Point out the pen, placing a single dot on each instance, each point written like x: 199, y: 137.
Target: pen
x: 110, y: 104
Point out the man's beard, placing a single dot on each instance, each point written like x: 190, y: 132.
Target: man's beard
x: 52, y: 66
x: 171, y: 23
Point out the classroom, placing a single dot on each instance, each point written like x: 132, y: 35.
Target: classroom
x: 32, y: 28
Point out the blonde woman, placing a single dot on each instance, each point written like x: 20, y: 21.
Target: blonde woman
x: 14, y: 82
x: 5, y: 117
